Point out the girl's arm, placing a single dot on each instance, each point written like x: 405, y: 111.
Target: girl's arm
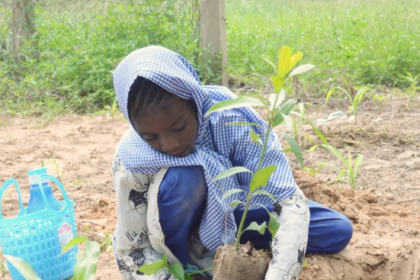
x: 131, y: 236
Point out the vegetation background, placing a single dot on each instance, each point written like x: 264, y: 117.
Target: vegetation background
x: 67, y: 65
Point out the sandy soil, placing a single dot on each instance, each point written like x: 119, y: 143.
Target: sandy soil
x: 385, y: 207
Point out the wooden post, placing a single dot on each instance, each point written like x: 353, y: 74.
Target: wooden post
x: 213, y: 35
x: 23, y: 22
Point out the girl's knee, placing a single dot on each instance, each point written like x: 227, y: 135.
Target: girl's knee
x: 183, y: 184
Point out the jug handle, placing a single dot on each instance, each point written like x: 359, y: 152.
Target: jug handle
x: 3, y: 189
x: 41, y: 178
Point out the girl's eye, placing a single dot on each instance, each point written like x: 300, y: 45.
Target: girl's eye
x: 180, y: 129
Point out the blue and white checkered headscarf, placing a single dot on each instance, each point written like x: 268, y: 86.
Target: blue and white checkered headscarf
x: 217, y: 148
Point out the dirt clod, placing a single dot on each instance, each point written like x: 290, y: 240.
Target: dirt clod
x: 247, y: 263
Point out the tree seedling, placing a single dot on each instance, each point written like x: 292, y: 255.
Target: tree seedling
x: 278, y: 113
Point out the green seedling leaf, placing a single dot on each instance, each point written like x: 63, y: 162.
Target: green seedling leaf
x: 357, y: 163
x: 320, y: 135
x: 301, y: 69
x: 284, y: 61
x: 23, y: 267
x: 231, y: 171
x: 231, y: 192
x: 359, y: 94
x: 288, y: 121
x: 338, y: 155
x: 278, y: 119
x: 336, y: 89
x: 287, y: 107
x: 271, y: 63
x: 87, y: 267
x: 254, y: 226
x: 263, y: 192
x: 294, y: 60
x: 273, y: 225
x: 313, y: 148
x: 242, y: 123
x: 235, y: 203
x: 150, y: 269
x: 278, y: 83
x: 277, y: 99
x: 255, y: 137
x: 295, y: 148
x: 75, y: 241
x: 177, y: 270
x: 188, y: 277
x: 261, y: 178
x: 241, y: 101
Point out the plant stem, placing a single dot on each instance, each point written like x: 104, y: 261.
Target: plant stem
x: 200, y: 271
x: 248, y: 199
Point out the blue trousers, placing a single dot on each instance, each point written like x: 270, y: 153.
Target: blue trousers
x: 182, y: 198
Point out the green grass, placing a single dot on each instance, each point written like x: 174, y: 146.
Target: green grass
x: 352, y: 42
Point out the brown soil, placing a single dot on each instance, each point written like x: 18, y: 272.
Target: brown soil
x: 247, y: 263
x: 385, y: 207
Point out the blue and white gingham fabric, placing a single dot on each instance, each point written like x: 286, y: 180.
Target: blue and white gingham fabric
x: 218, y: 146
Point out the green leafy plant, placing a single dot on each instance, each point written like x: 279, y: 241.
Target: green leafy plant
x: 314, y: 168
x: 86, y: 264
x: 413, y: 80
x: 351, y: 166
x: 176, y: 269
x: 354, y: 100
x: 278, y: 113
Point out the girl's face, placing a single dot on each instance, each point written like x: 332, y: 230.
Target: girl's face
x: 171, y: 129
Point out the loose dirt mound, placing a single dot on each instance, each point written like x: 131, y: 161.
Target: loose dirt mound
x: 385, y: 243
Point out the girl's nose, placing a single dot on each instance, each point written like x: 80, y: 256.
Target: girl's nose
x: 170, y: 145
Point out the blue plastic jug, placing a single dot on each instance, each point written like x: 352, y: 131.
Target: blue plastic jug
x: 36, y: 201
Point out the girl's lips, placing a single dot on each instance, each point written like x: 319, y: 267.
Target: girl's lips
x: 183, y: 153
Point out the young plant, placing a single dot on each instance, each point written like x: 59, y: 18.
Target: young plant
x: 351, y: 167
x: 176, y: 269
x: 354, y: 101
x: 85, y: 268
x: 413, y: 82
x: 314, y: 168
x: 278, y: 113
x: 58, y: 170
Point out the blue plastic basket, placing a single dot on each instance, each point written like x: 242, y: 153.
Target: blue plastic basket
x: 35, y: 237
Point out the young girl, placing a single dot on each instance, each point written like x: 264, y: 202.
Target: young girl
x: 163, y: 169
